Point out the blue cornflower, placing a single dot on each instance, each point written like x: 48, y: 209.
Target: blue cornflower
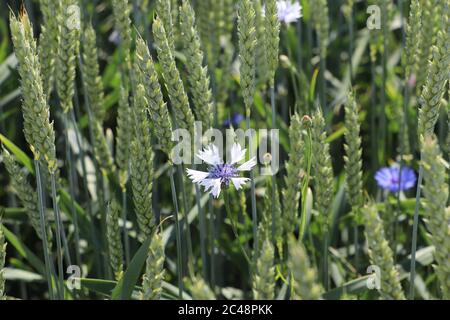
x: 220, y: 174
x: 388, y: 178
x: 236, y: 118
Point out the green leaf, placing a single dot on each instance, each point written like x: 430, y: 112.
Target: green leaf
x: 24, y: 251
x: 353, y: 286
x: 21, y: 156
x: 125, y: 286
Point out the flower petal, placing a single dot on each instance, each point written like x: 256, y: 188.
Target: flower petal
x: 213, y: 186
x: 196, y: 176
x: 237, y: 154
x: 210, y: 155
x: 238, y: 182
x: 247, y: 166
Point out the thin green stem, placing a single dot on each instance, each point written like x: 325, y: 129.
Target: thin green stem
x: 274, y: 176
x: 59, y: 253
x: 234, y: 226
x: 203, y: 240
x: 126, y: 239
x: 47, y: 260
x: 177, y: 233
x: 412, y: 275
x: 72, y: 190
x: 253, y: 194
x: 212, y: 243
x: 186, y: 225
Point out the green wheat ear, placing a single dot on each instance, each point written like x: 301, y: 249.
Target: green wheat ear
x: 272, y: 39
x: 177, y: 94
x: 353, y: 155
x: 437, y: 212
x: 264, y: 276
x: 91, y: 74
x: 68, y: 46
x: 48, y: 43
x: 141, y: 158
x: 159, y: 113
x: 38, y: 129
x: 154, y: 270
x: 197, y: 75
x: 304, y: 277
x: 322, y: 167
x: 295, y: 168
x: 436, y: 81
x: 122, y: 23
x: 2, y: 259
x: 321, y: 23
x: 113, y: 235
x: 164, y: 11
x: 123, y: 136
x: 381, y: 255
x: 26, y: 194
x: 247, y: 45
x: 200, y: 290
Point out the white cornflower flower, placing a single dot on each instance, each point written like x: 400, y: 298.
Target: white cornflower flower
x: 287, y: 11
x: 219, y: 173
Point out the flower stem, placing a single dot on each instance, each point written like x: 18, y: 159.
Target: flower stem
x: 190, y: 254
x: 177, y: 234
x: 203, y: 239
x: 212, y: 243
x: 234, y: 227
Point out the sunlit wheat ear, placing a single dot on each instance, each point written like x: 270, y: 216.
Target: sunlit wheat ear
x: 426, y: 40
x: 381, y: 255
x: 261, y: 44
x: 122, y: 23
x: 26, y: 194
x: 413, y: 39
x: 264, y: 275
x: 141, y: 157
x: 2, y: 259
x: 304, y: 276
x: 247, y: 46
x: 38, y: 129
x: 437, y: 212
x: 66, y: 59
x: 272, y: 39
x: 164, y: 12
x: 113, y: 235
x: 200, y: 290
x: 123, y: 136
x: 180, y: 103
x: 295, y: 169
x: 197, y: 74
x: 321, y: 166
x: 437, y: 78
x: 48, y: 43
x: 353, y: 155
x: 91, y: 74
x: 154, y: 269
x: 157, y: 108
